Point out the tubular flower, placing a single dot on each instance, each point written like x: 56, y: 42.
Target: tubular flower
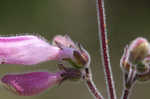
x: 29, y: 50
x: 34, y: 83
x: 29, y: 84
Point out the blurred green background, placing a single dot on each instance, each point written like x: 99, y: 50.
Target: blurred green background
x: 126, y: 20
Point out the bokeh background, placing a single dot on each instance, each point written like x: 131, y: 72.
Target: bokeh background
x: 126, y: 20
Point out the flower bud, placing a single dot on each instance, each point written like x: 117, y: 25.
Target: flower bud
x: 136, y: 56
x: 138, y: 50
x: 29, y: 84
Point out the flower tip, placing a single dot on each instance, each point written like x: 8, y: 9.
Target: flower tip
x: 4, y: 84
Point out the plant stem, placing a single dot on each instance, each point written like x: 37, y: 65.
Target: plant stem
x: 125, y: 93
x: 91, y: 86
x: 129, y: 81
x: 104, y: 49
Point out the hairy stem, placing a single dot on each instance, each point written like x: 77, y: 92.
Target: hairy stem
x: 104, y: 49
x: 91, y: 86
x: 125, y: 93
x: 129, y: 81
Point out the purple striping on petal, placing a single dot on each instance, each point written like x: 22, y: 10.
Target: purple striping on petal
x: 29, y: 84
x: 16, y: 38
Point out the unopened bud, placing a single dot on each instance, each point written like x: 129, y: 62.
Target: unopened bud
x: 138, y: 50
x: 136, y: 56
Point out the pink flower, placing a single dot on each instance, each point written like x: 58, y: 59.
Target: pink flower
x: 29, y: 49
x: 33, y: 83
x: 29, y: 84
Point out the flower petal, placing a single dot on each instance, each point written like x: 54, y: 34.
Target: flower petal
x: 63, y: 41
x: 29, y: 84
x: 26, y: 50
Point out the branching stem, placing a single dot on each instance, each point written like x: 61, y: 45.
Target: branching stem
x: 90, y: 84
x: 129, y: 82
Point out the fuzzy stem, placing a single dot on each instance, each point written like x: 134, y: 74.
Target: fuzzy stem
x: 93, y: 89
x: 90, y: 84
x: 104, y: 49
x: 129, y: 82
x: 125, y: 93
